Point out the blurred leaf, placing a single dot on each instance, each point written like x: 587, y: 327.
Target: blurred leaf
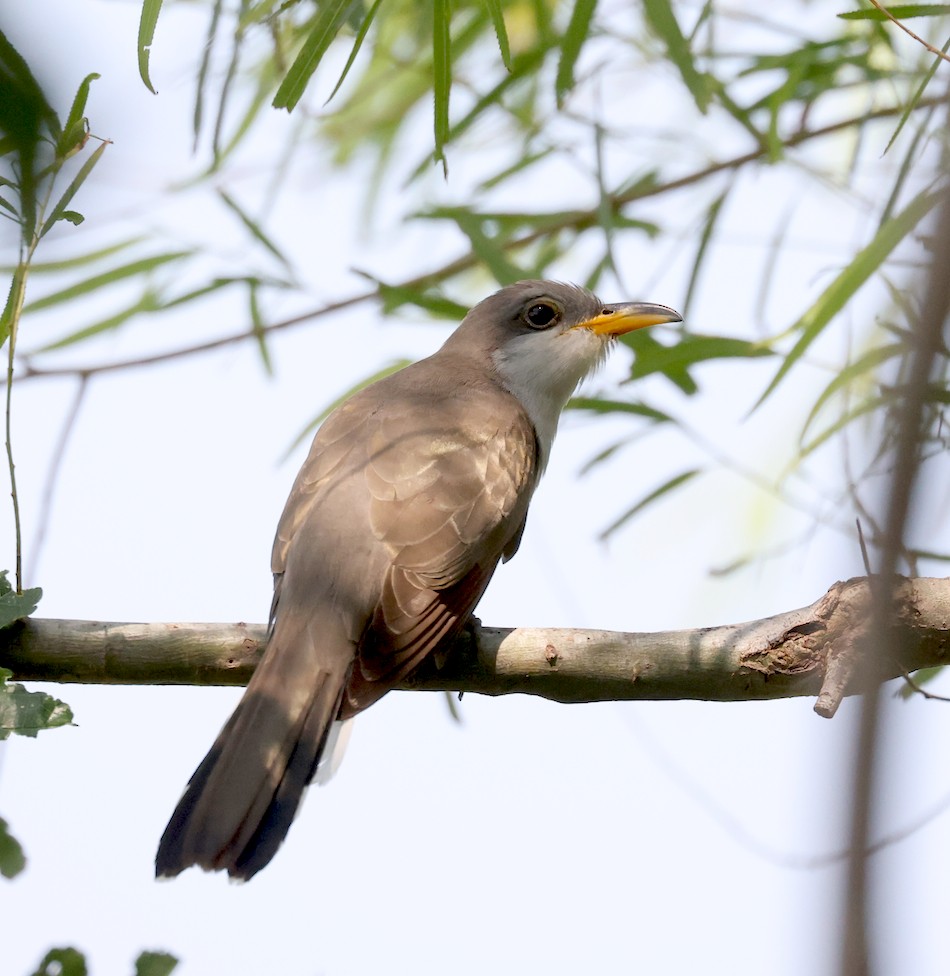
x: 655, y: 495
x: 916, y: 97
x: 902, y: 11
x: 255, y: 228
x: 393, y: 367
x: 147, y: 23
x: 148, y: 301
x: 59, y: 211
x: 331, y: 15
x: 921, y: 677
x: 25, y: 712
x: 709, y: 226
x: 850, y: 279
x: 357, y: 44
x: 55, y: 267
x: 870, y: 405
x: 601, y: 405
x: 691, y: 349
x: 575, y: 35
x: 12, y: 858
x: 258, y: 328
x: 662, y: 19
x: 119, y: 273
x: 155, y: 964
x: 501, y: 32
x: 865, y: 365
x: 488, y: 249
x: 24, y: 114
x: 442, y: 75
x: 62, y: 962
x: 395, y: 296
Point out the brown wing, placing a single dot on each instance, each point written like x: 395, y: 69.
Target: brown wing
x: 449, y: 498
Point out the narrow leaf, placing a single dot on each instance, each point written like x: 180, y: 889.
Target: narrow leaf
x: 59, y: 211
x: 331, y: 15
x: 709, y: 226
x: 442, y: 76
x: 901, y: 11
x: 602, y: 405
x: 119, y: 273
x: 147, y: 22
x: 868, y: 362
x: 55, y: 267
x: 148, y: 302
x: 578, y: 30
x: 847, y: 283
x: 501, y: 31
x: 357, y: 44
x: 254, y: 227
x: 660, y: 16
x: 76, y: 131
x: 657, y: 493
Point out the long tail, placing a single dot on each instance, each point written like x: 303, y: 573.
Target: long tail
x: 241, y: 800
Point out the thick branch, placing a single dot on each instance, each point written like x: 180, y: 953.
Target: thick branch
x: 811, y: 651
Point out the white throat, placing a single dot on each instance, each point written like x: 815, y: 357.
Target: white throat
x: 542, y: 369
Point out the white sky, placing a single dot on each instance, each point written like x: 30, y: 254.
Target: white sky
x: 655, y: 837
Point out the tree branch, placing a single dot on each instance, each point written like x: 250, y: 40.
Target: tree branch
x: 812, y: 651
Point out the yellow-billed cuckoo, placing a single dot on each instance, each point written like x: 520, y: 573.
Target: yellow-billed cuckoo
x: 413, y: 491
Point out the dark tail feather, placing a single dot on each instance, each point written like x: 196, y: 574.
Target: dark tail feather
x: 241, y: 800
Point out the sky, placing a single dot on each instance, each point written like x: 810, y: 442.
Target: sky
x: 651, y: 837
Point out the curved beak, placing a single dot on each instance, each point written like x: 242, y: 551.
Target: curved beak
x: 615, y: 320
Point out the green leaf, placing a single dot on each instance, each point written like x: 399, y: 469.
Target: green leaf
x: 709, y: 226
x: 155, y: 964
x: 149, y: 301
x: 865, y: 365
x: 921, y: 677
x: 119, y: 273
x: 62, y: 962
x: 12, y: 858
x: 501, y: 31
x: 901, y: 11
x: 255, y: 228
x: 655, y: 495
x: 442, y: 76
x: 489, y: 250
x: 75, y: 131
x: 691, y: 349
x: 357, y: 44
x: 55, y: 267
x: 147, y: 23
x: 60, y: 211
x: 601, y: 405
x: 394, y: 297
x: 25, y: 712
x: 660, y: 16
x: 916, y: 97
x: 575, y: 35
x: 847, y: 283
x: 393, y: 367
x: 15, y: 606
x: 331, y: 15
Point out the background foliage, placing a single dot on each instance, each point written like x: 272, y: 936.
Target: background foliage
x: 790, y: 110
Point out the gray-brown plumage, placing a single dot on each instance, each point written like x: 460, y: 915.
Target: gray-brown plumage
x: 413, y: 491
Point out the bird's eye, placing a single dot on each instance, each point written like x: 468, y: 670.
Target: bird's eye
x: 541, y: 315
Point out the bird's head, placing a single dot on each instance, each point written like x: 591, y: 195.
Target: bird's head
x: 541, y: 338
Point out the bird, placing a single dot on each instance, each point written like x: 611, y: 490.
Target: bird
x: 414, y: 489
